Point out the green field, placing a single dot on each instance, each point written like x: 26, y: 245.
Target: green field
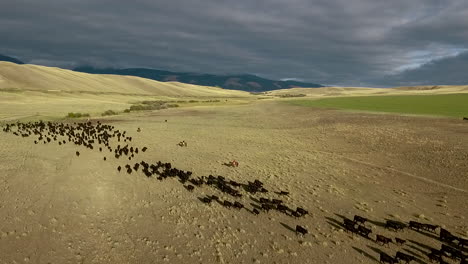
x: 453, y: 105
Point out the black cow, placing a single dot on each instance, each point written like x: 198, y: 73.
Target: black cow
x: 364, y: 231
x: 302, y: 230
x: 206, y: 200
x: 302, y: 211
x: 429, y: 227
x: 359, y: 219
x: 400, y: 241
x: 446, y: 236
x: 415, y: 225
x: 238, y: 205
x: 350, y: 225
x: 282, y: 208
x: 267, y: 207
x: 383, y: 240
x: 276, y: 201
x: 396, y: 226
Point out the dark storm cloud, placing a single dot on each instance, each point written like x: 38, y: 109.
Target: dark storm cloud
x: 451, y: 70
x: 335, y: 42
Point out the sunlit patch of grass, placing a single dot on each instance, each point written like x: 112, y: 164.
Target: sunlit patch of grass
x: 453, y: 105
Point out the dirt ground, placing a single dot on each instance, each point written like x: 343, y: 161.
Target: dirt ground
x: 56, y: 207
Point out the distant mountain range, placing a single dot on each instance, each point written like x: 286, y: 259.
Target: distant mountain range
x: 242, y: 82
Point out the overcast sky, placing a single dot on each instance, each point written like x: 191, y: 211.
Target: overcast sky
x: 332, y: 42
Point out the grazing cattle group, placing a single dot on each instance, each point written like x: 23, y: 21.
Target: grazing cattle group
x: 356, y: 226
x: 97, y: 135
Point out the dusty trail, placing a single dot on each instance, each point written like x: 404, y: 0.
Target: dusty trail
x: 438, y: 184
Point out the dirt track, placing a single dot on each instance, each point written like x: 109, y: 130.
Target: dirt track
x: 59, y: 208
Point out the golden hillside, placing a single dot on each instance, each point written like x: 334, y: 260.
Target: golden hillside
x: 50, y: 79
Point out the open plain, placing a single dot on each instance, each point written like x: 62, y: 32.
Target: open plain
x: 57, y: 207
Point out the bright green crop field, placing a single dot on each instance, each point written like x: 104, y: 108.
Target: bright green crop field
x: 453, y: 105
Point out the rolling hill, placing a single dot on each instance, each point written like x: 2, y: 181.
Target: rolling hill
x: 41, y: 78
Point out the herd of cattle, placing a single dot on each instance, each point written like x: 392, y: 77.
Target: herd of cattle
x: 454, y: 249
x: 102, y: 136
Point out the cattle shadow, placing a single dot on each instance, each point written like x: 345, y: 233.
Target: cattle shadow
x: 288, y: 227
x: 430, y: 235
x: 219, y: 202
x: 250, y: 211
x: 376, y: 223
x: 377, y: 250
x: 420, y: 244
x: 418, y: 249
x: 255, y: 199
x: 398, y: 221
x: 415, y: 255
x: 246, y: 188
x: 341, y: 216
x: 256, y: 206
x: 333, y: 222
x: 362, y: 252
x: 227, y: 164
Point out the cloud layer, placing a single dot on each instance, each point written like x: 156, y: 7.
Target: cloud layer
x: 333, y: 42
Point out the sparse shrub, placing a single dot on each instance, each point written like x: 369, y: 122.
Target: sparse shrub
x: 138, y: 108
x: 109, y: 112
x: 291, y: 95
x: 77, y: 115
x: 147, y: 107
x: 193, y: 101
x: 153, y: 102
x: 127, y: 110
x: 172, y: 105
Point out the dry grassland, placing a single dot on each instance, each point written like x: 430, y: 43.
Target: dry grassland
x: 56, y: 207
